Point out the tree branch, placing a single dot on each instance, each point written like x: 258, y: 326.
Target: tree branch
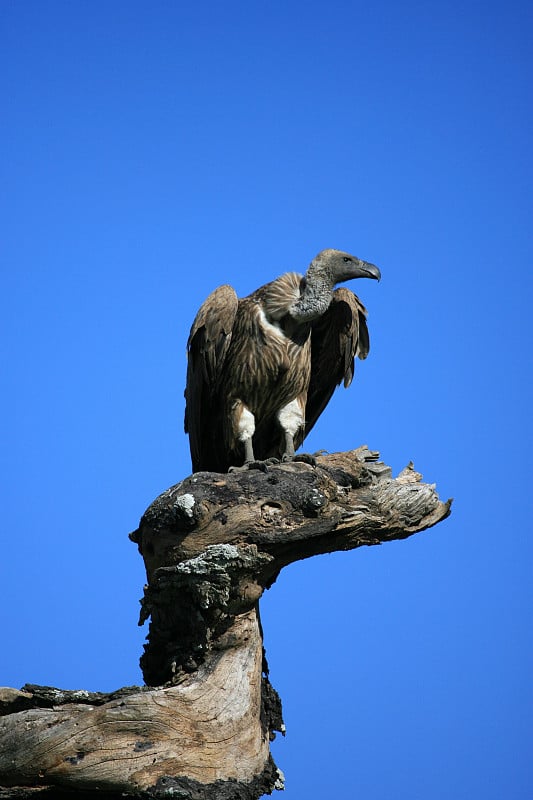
x: 211, y: 545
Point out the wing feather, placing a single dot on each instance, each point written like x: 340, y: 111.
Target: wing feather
x: 337, y: 338
x: 207, y: 347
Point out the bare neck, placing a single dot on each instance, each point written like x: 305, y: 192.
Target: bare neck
x: 315, y: 296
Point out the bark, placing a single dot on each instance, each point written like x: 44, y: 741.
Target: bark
x: 201, y: 726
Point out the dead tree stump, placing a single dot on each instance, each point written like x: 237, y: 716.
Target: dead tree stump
x: 201, y: 726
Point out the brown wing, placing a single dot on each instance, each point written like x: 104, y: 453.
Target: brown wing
x: 206, y: 350
x: 337, y: 338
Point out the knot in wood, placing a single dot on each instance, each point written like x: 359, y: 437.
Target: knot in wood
x: 271, y: 512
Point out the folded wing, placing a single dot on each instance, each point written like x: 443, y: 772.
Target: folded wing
x: 337, y: 338
x: 207, y: 347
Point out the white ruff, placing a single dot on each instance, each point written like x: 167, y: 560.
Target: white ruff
x: 291, y: 418
x: 270, y: 327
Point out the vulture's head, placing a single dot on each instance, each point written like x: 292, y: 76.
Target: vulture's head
x: 339, y: 266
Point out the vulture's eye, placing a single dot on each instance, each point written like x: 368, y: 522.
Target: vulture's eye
x: 345, y: 259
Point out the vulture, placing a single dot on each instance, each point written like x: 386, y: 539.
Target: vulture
x: 261, y: 369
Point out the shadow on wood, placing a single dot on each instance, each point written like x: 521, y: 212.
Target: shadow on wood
x: 201, y: 726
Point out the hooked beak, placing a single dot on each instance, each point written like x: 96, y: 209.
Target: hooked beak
x: 367, y: 270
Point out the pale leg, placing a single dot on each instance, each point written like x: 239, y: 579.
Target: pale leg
x: 291, y: 419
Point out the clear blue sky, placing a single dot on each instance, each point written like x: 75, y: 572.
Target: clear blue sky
x: 152, y: 151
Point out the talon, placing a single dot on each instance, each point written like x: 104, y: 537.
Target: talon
x: 260, y: 465
x: 306, y: 458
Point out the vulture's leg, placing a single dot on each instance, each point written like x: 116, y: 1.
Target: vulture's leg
x: 244, y: 426
x: 291, y: 419
x: 248, y: 451
x: 288, y: 453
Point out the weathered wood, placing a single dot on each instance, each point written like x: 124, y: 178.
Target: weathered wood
x: 211, y: 545
x: 205, y: 729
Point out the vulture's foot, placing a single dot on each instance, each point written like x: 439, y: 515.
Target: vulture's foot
x: 260, y: 465
x: 306, y: 458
